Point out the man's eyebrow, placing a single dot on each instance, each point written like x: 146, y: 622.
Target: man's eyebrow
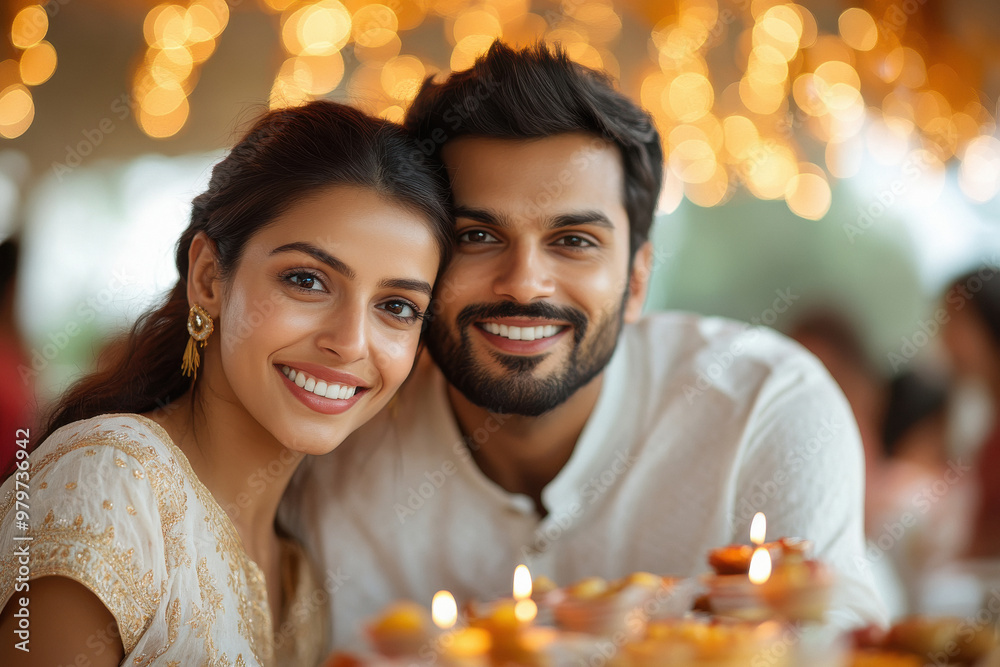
x: 485, y: 216
x: 488, y: 217
x: 581, y: 218
x: 318, y: 254
x: 407, y: 284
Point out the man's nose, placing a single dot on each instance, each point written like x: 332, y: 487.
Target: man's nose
x: 526, y: 274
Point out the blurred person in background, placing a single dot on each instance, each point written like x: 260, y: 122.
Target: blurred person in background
x: 972, y: 338
x: 17, y: 402
x: 909, y: 526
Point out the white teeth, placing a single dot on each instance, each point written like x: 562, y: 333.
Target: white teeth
x: 319, y: 387
x: 521, y: 333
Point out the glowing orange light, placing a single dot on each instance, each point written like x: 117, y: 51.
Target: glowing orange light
x: 760, y: 566
x: 444, y: 611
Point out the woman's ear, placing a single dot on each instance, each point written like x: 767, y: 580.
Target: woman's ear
x: 638, y: 284
x: 203, y: 284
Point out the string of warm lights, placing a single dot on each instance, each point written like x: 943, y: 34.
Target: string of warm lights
x: 179, y: 39
x: 798, y: 85
x: 795, y: 111
x: 35, y: 66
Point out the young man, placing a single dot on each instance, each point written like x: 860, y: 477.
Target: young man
x: 557, y: 427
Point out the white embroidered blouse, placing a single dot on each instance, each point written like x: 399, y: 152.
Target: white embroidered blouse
x: 113, y: 504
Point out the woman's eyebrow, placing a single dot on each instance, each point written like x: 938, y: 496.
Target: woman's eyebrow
x: 407, y: 284
x: 340, y: 267
x: 320, y: 255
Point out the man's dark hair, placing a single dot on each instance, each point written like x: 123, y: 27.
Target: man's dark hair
x: 539, y: 92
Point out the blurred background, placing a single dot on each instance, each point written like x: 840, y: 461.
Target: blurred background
x: 833, y: 171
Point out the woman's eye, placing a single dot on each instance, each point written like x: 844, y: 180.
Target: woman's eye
x: 476, y: 236
x: 306, y: 281
x: 404, y: 310
x: 574, y: 242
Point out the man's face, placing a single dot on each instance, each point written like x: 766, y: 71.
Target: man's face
x: 532, y: 304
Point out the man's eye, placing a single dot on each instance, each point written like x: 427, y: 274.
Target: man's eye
x: 476, y: 236
x: 574, y: 242
x: 306, y: 281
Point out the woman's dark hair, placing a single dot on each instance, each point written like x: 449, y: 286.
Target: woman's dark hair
x: 982, y: 289
x: 539, y: 92
x: 288, y: 155
x: 913, y: 398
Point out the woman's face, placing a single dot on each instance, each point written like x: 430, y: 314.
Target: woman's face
x: 321, y: 318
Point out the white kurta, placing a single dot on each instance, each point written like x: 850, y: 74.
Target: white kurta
x: 114, y: 504
x: 700, y: 423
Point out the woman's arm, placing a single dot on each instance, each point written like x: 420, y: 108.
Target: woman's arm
x: 67, y: 625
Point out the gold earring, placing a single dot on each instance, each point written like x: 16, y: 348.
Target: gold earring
x: 200, y: 327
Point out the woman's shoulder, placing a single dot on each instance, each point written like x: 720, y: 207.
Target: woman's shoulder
x: 132, y: 433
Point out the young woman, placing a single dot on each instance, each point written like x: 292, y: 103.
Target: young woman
x: 141, y: 530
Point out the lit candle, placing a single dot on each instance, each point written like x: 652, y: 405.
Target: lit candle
x: 760, y: 566
x: 444, y: 611
x: 525, y: 608
x: 758, y: 529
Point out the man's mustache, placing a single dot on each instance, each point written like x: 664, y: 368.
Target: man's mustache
x: 542, y: 310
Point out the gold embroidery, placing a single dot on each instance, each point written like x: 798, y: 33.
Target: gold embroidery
x: 70, y: 486
x: 138, y: 474
x: 173, y: 619
x: 108, y: 505
x: 90, y: 452
x: 130, y: 510
x: 120, y: 463
x: 89, y: 554
x: 43, y: 485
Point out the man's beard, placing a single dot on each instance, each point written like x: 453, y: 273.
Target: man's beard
x: 516, y: 390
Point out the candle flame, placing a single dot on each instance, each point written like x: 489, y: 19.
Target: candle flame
x: 760, y: 566
x: 525, y: 610
x: 522, y: 582
x: 444, y: 611
x: 758, y: 528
